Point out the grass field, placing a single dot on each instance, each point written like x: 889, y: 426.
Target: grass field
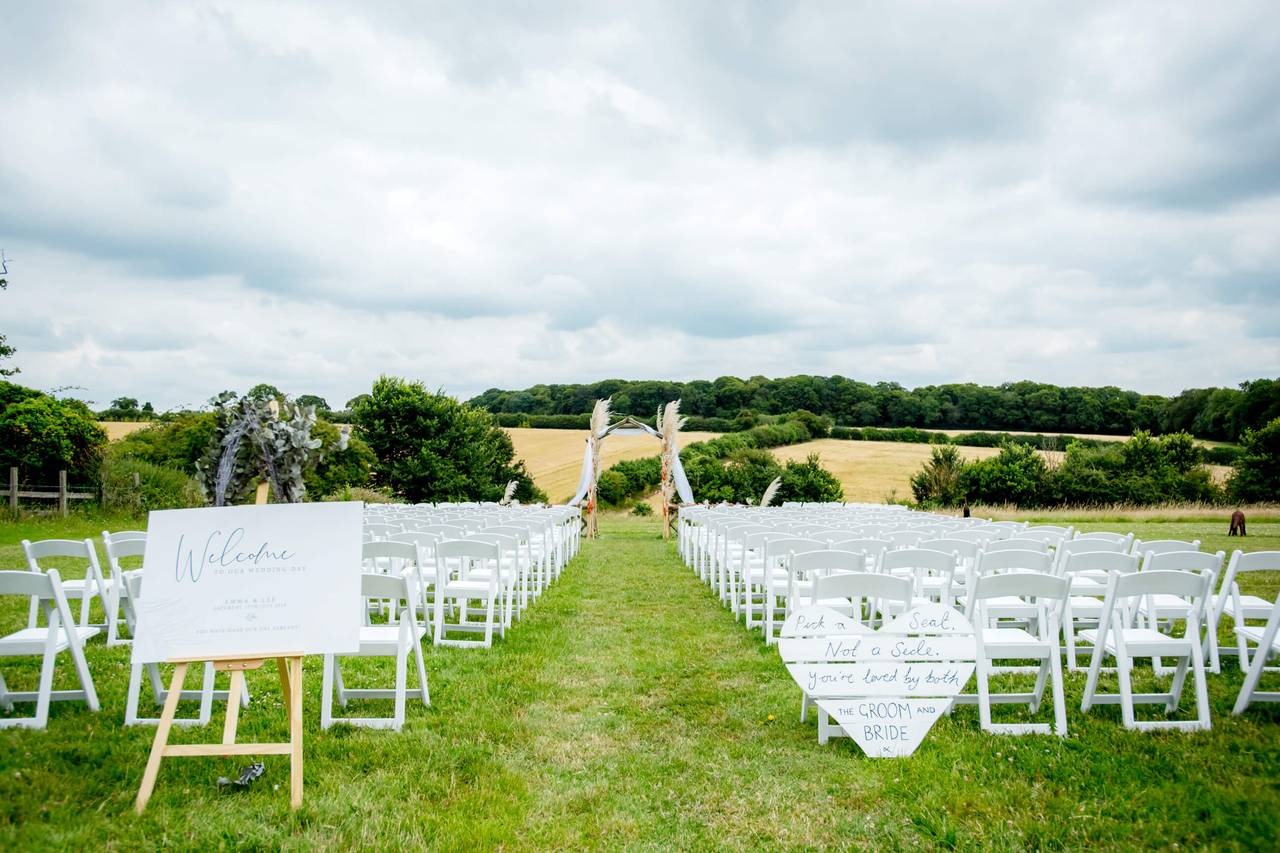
x: 629, y: 710
x: 554, y: 456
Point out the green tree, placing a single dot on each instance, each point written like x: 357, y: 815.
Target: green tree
x: 42, y: 435
x: 1256, y: 474
x: 430, y: 447
x: 322, y: 406
x: 263, y: 391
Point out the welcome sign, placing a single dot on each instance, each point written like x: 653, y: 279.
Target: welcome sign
x: 250, y: 580
x: 885, y: 688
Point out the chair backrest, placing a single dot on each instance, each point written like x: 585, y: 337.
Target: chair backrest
x: 1160, y: 582
x: 118, y: 547
x: 828, y: 560
x: 780, y: 546
x: 419, y: 538
x: 980, y: 537
x: 905, y: 538
x: 396, y: 550
x: 41, y: 585
x: 450, y: 531
x: 473, y: 548
x: 1017, y: 545
x: 1126, y: 538
x: 990, y: 562
x: 1098, y: 561
x: 1162, y: 546
x: 858, y: 585
x: 76, y: 548
x: 121, y: 535
x: 1021, y: 584
x: 872, y: 547
x: 1081, y: 546
x: 383, y: 586
x: 1256, y: 561
x: 1183, y: 561
x: 966, y: 549
x: 919, y: 561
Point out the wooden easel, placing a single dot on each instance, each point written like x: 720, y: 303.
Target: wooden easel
x: 290, y: 668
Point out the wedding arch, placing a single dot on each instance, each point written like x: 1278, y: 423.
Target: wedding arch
x: 674, y: 482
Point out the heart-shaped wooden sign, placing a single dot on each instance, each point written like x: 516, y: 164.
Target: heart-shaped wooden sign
x: 886, y: 688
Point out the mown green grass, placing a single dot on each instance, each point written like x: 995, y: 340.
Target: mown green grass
x: 628, y: 709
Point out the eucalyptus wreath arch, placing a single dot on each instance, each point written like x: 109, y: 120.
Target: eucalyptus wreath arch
x: 256, y: 438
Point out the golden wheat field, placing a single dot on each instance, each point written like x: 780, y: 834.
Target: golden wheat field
x: 871, y: 471
x: 554, y: 456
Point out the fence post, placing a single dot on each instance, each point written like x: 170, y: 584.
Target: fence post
x: 62, y: 493
x: 13, y: 489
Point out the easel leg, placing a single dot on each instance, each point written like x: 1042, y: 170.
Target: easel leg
x: 294, y: 705
x: 233, y: 706
x: 162, y: 737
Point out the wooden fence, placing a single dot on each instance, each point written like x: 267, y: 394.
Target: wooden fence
x: 63, y: 494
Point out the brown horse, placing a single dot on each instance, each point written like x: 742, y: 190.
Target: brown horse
x: 1237, y: 524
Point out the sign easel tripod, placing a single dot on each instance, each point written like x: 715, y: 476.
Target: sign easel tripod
x: 289, y: 665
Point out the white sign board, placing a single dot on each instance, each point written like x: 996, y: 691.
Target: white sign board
x: 250, y: 580
x: 885, y: 688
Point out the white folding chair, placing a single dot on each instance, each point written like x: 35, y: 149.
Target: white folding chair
x: 92, y: 586
x: 206, y: 695
x: 1000, y: 642
x: 1241, y: 608
x: 1088, y: 572
x: 119, y: 546
x: 60, y: 634
x: 1117, y: 636
x: 1267, y: 641
x: 889, y: 594
x: 467, y: 571
x: 395, y: 639
x: 1165, y: 609
x: 930, y: 572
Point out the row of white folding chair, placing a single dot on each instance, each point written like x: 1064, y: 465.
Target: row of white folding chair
x: 1116, y: 636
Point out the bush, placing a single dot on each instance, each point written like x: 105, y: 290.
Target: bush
x: 178, y: 442
x: 809, y: 482
x: 1223, y: 455
x: 430, y: 447
x: 42, y: 435
x: 158, y: 487
x: 696, y: 424
x: 816, y: 425
x: 642, y: 509
x: 938, y: 482
x: 1257, y: 470
x: 369, y: 496
x: 1014, y: 476
x: 612, y: 488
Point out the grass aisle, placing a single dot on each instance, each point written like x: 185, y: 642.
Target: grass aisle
x: 628, y: 709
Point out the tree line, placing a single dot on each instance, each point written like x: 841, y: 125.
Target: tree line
x: 730, y: 403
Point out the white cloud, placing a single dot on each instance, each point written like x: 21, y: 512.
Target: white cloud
x: 202, y: 198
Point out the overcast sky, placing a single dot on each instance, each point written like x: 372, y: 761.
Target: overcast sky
x: 198, y: 197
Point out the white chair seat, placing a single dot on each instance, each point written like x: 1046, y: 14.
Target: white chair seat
x: 1251, y: 607
x: 384, y: 639
x: 1141, y: 642
x: 1009, y: 637
x: 1254, y: 633
x: 31, y: 641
